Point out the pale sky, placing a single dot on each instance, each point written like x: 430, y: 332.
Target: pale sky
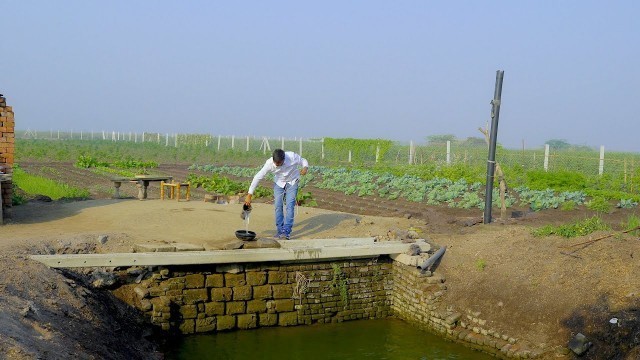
x: 399, y: 70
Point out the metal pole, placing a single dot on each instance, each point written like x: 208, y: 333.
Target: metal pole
x: 491, y: 162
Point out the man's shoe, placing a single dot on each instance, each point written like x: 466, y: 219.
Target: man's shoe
x: 287, y: 237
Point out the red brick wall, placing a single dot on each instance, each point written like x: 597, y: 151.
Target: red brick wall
x: 7, y: 151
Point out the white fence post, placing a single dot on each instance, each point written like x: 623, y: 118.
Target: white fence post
x: 300, y: 152
x: 322, y: 149
x: 411, y: 150
x: 349, y: 155
x: 247, y: 142
x: 601, y: 169
x: 448, y: 152
x: 166, y: 139
x: 219, y: 142
x: 282, y: 141
x: 546, y: 157
x: 233, y: 141
x: 377, y: 153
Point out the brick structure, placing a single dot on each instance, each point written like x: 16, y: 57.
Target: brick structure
x: 213, y: 298
x: 7, y: 150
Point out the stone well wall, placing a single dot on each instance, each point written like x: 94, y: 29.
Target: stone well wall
x: 418, y: 299
x: 210, y: 298
x: 7, y: 151
x: 198, y: 299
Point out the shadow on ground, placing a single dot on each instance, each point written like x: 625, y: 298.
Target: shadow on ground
x: 320, y: 223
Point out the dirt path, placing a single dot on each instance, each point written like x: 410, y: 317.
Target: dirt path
x: 526, y: 287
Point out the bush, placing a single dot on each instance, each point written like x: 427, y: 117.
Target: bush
x: 600, y: 205
x: 557, y: 180
x: 579, y: 228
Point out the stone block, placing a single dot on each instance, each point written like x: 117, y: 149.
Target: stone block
x: 288, y: 319
x: 205, y: 325
x: 256, y: 278
x: 247, y: 321
x: 187, y: 247
x: 226, y: 322
x: 282, y: 291
x: 145, y: 305
x: 193, y: 296
x: 256, y: 306
x: 188, y: 311
x: 262, y: 292
x: 266, y: 319
x: 194, y: 281
x: 236, y: 307
x: 277, y: 277
x: 141, y: 248
x: 215, y: 280
x: 187, y: 326
x: 221, y: 294
x: 214, y: 308
x: 229, y: 268
x: 233, y: 280
x: 242, y: 293
x: 284, y: 305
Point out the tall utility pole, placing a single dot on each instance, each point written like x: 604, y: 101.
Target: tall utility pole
x: 491, y: 162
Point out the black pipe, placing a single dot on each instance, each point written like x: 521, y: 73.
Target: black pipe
x: 430, y: 261
x: 491, y: 163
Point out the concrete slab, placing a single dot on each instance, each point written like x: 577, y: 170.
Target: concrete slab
x: 289, y: 244
x: 221, y: 256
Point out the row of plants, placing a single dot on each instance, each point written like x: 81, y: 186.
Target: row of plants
x: 454, y: 193
x: 38, y: 185
x: 218, y: 184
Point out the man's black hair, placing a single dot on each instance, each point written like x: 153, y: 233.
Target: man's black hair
x: 278, y: 155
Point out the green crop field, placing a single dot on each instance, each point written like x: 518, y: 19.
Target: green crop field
x: 377, y: 167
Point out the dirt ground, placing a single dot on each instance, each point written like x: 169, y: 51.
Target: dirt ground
x: 535, y: 289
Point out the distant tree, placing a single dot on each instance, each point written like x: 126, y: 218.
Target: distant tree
x: 440, y: 139
x: 474, y: 141
x: 558, y: 144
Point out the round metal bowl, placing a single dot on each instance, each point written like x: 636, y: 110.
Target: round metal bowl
x: 245, y: 235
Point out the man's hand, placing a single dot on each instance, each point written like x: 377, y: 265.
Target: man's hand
x: 247, y: 199
x: 303, y: 171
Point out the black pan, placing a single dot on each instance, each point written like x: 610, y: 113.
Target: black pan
x: 245, y: 235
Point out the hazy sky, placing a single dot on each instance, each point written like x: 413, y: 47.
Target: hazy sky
x: 400, y: 70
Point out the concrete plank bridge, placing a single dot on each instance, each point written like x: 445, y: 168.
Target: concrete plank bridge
x: 290, y: 251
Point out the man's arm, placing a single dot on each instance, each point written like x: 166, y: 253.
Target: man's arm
x: 256, y: 180
x: 304, y: 163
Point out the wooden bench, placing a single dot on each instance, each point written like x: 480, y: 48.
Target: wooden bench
x: 174, y: 189
x: 141, y: 181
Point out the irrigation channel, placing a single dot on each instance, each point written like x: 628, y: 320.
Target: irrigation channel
x: 389, y: 339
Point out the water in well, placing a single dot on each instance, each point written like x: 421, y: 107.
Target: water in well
x: 386, y: 339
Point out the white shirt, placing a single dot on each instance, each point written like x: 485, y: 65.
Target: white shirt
x: 287, y: 173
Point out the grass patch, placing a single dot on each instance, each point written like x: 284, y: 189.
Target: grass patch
x: 633, y: 221
x: 481, y: 264
x: 37, y: 185
x: 579, y: 228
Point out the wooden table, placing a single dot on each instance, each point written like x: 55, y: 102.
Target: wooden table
x: 141, y: 181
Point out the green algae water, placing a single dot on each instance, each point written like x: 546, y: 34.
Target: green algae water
x: 386, y: 339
